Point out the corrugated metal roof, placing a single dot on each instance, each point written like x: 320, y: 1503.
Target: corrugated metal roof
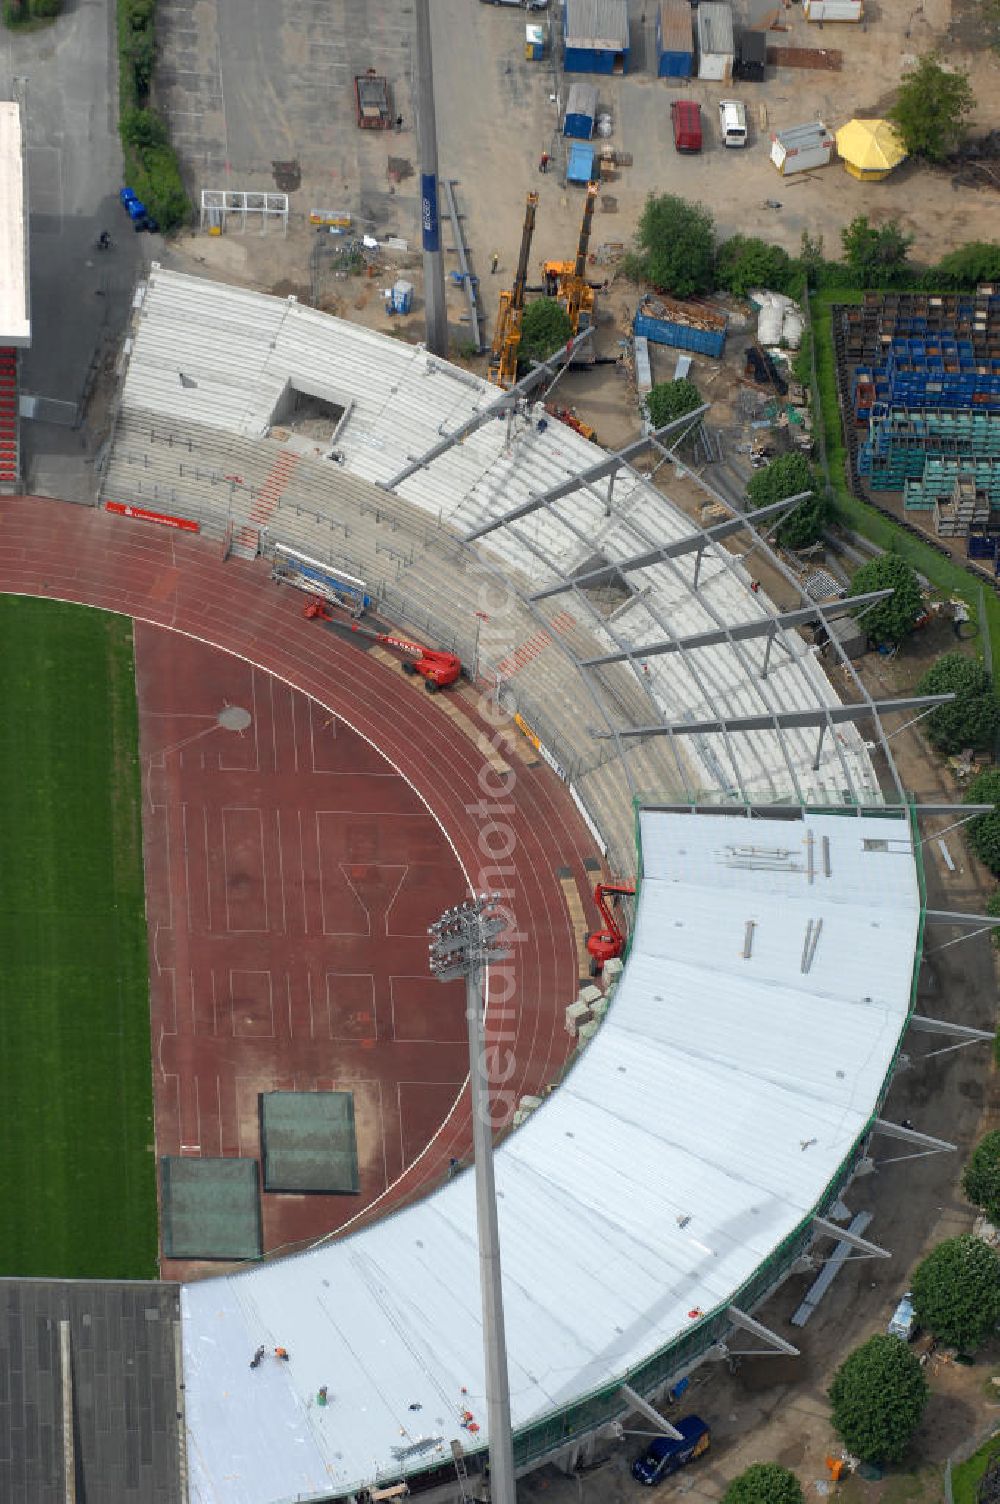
x: 715, y: 27
x: 676, y: 26
x: 597, y: 23
x: 813, y: 133
x: 699, y: 1129
x: 582, y: 100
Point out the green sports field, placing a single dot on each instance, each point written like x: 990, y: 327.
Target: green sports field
x: 77, y: 1182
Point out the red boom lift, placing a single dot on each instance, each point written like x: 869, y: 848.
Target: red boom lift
x: 604, y: 945
x: 436, y: 668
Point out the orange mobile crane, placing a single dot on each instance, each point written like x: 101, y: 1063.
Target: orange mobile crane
x: 507, y: 333
x: 567, y: 280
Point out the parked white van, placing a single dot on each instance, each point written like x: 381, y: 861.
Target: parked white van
x: 733, y: 122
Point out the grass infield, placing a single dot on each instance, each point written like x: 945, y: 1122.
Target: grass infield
x: 77, y: 1173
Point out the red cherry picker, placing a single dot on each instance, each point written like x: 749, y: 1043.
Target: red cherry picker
x: 604, y: 945
x: 438, y: 669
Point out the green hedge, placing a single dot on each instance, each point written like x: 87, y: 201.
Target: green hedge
x: 23, y: 12
x: 152, y: 167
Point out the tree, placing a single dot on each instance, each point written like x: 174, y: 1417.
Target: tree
x: 981, y: 1176
x: 977, y: 261
x: 931, y: 108
x: 956, y: 1291
x: 789, y: 475
x: 878, y: 1396
x: 984, y: 831
x: 875, y: 253
x: 811, y: 257
x: 972, y: 717
x: 744, y: 262
x: 764, y: 1483
x: 676, y: 243
x: 889, y: 620
x: 993, y: 910
x: 668, y: 400
x: 545, y: 328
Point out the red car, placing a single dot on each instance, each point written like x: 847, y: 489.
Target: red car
x: 686, y: 117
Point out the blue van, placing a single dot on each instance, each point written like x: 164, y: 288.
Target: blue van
x: 666, y: 1454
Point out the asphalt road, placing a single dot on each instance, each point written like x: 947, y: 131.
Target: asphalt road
x: 79, y: 296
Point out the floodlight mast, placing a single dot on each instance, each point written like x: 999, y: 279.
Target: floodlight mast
x: 462, y: 944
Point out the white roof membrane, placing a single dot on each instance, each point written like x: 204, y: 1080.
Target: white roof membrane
x: 15, y: 319
x: 696, y: 1132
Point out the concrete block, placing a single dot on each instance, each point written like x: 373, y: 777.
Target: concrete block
x: 590, y: 994
x: 613, y: 969
x: 576, y: 1014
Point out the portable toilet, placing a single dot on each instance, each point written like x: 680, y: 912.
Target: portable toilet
x: 402, y: 296
x: 580, y: 168
x: 716, y: 47
x: 674, y: 39
x: 536, y: 36
x: 801, y: 147
x: 581, y: 111
x: 595, y: 36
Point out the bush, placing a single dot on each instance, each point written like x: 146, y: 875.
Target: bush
x: 931, y: 108
x: 45, y: 8
x: 545, y: 328
x: 875, y: 254
x: 984, y: 831
x: 789, y: 475
x: 676, y: 243
x: 956, y: 1292
x: 966, y: 267
x: 878, y: 1396
x: 972, y: 717
x: 136, y: 51
x: 892, y: 619
x: 142, y: 129
x: 764, y: 1483
x: 744, y: 262
x: 155, y: 175
x: 981, y: 1176
x: 993, y: 910
x: 668, y: 400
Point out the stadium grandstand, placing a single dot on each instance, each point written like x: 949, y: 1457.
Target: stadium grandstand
x: 15, y: 319
x: 684, y: 1166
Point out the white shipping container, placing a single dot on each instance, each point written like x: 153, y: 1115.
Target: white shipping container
x: 801, y: 148
x: 833, y: 10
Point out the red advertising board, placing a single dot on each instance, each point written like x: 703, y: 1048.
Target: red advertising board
x: 124, y: 509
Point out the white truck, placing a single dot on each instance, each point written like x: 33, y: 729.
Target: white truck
x: 733, y: 122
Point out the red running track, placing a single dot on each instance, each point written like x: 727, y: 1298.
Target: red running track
x: 176, y: 581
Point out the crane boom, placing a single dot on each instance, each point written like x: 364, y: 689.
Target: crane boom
x: 577, y: 290
x: 507, y: 332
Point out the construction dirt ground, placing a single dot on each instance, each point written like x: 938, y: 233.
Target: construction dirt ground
x: 264, y: 102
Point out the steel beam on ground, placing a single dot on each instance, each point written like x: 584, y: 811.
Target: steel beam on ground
x: 764, y: 626
x: 503, y: 402
x: 435, y: 306
x: 788, y: 720
x: 664, y: 1428
x: 586, y: 477
x: 468, y: 280
x: 828, y: 1273
x: 691, y: 543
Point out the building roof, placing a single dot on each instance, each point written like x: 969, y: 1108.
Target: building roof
x: 15, y: 316
x: 676, y: 32
x: 715, y: 27
x: 706, y: 1122
x: 581, y: 100
x: 598, y: 24
x: 802, y: 137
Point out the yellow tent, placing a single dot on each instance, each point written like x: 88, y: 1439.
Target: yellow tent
x: 869, y: 149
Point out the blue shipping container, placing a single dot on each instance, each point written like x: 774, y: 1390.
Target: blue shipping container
x: 581, y: 112
x: 580, y: 168
x: 674, y: 39
x: 666, y: 332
